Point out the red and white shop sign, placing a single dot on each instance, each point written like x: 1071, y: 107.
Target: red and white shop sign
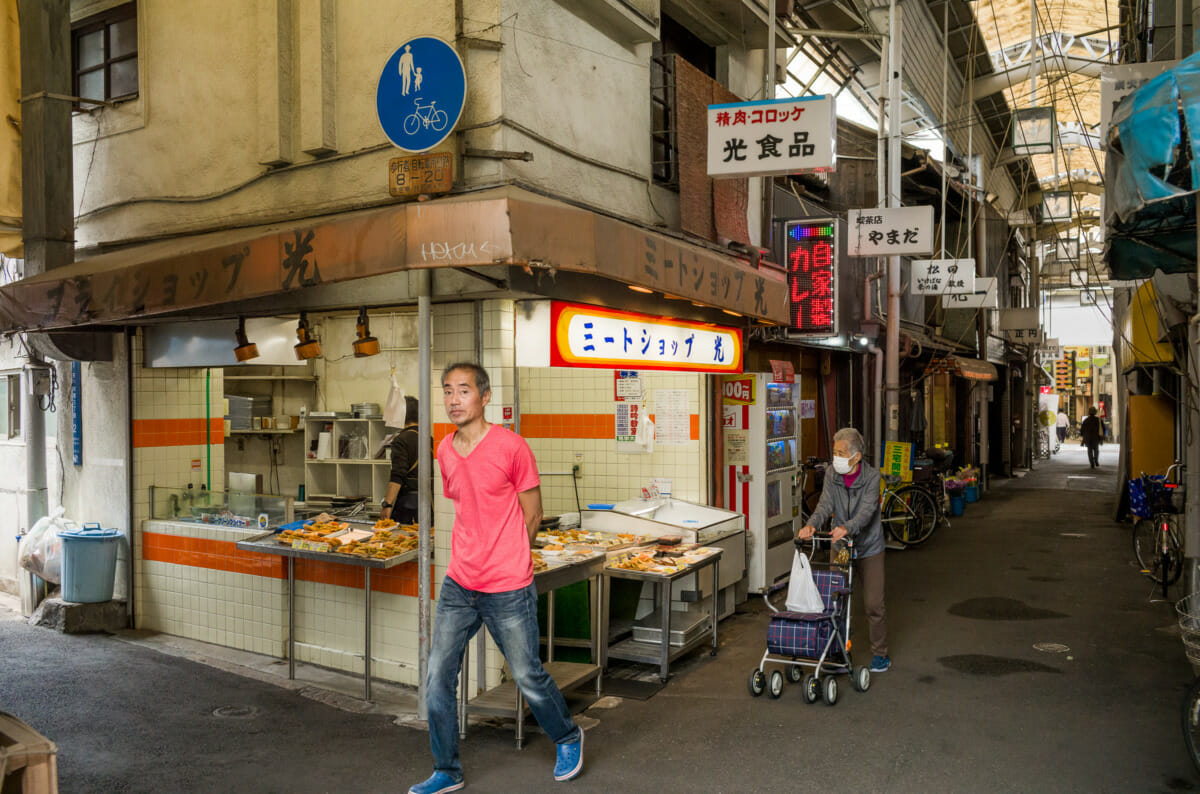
x: 737, y: 390
x: 782, y: 372
x: 1046, y: 390
x: 508, y: 413
x: 588, y: 336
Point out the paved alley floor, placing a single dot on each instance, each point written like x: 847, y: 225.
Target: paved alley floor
x: 969, y: 706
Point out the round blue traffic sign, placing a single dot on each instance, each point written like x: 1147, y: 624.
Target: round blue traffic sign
x: 421, y: 93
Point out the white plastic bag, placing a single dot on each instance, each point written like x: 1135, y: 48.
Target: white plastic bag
x: 803, y: 595
x: 394, y: 408
x: 41, y: 548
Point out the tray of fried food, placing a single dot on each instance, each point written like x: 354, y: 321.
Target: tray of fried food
x: 559, y: 539
x: 647, y: 562
x: 380, y: 546
x: 325, y: 535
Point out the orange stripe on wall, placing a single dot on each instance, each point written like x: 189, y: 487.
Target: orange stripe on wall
x: 176, y: 432
x: 224, y: 555
x: 599, y: 426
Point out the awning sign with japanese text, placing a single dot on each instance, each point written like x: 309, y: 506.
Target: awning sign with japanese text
x: 889, y: 232
x: 984, y: 296
x: 589, y: 336
x: 811, y: 248
x: 772, y: 136
x: 943, y: 276
x: 1020, y: 325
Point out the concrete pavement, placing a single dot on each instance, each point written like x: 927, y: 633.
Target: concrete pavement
x: 970, y: 704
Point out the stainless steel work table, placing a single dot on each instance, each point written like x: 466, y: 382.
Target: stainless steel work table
x: 663, y: 654
x: 506, y: 700
x: 267, y: 544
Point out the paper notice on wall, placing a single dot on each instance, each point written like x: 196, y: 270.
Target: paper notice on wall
x: 731, y: 417
x: 737, y: 447
x: 672, y: 417
x: 627, y: 417
x: 808, y: 409
x: 627, y: 386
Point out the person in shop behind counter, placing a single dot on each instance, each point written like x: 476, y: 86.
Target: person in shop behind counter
x: 1092, y: 430
x: 851, y: 498
x: 401, y: 500
x: 491, y: 476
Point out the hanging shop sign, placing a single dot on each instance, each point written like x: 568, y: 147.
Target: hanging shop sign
x: 889, y: 232
x: 1118, y: 82
x: 1033, y: 130
x: 589, y: 336
x: 897, y: 460
x: 943, y: 277
x: 1020, y: 325
x: 985, y: 296
x: 782, y: 371
x: 811, y: 250
x: 421, y: 174
x: 1050, y: 350
x: 1078, y: 278
x: 1057, y: 207
x: 421, y: 93
x: 1066, y: 251
x: 772, y: 136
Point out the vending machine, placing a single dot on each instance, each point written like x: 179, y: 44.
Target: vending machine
x: 759, y: 432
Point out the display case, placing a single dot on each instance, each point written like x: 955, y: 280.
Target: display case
x: 219, y: 508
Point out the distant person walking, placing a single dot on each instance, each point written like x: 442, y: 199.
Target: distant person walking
x: 1063, y: 423
x: 1092, y: 430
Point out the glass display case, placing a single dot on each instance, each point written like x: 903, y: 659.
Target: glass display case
x: 220, y: 508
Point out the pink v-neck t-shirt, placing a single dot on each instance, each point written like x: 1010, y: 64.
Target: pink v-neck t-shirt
x: 490, y: 545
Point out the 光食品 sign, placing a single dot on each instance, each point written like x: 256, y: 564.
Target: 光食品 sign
x: 773, y: 136
x: 889, y: 232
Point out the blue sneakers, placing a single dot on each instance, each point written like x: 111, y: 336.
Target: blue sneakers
x: 570, y: 759
x: 438, y: 783
x: 880, y: 664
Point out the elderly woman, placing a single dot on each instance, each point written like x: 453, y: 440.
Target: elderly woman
x: 851, y: 498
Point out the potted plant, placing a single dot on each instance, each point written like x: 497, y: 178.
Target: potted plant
x: 955, y: 488
x: 970, y: 478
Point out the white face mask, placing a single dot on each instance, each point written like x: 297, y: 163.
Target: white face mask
x: 841, y: 465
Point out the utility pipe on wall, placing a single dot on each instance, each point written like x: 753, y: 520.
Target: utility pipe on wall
x: 878, y: 424
x: 895, y: 70
x: 424, y: 485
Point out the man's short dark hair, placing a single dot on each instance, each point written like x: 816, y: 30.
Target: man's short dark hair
x: 411, y: 406
x: 482, y: 381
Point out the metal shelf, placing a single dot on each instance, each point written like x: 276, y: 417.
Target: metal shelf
x: 264, y: 432
x: 309, y: 378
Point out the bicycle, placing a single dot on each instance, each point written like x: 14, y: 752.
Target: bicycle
x: 808, y: 500
x: 437, y: 119
x: 1188, y: 610
x: 1158, y: 539
x: 909, y: 513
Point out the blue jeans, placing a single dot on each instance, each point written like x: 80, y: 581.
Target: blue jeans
x: 511, y: 618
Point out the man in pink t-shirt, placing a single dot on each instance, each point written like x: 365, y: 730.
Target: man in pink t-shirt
x: 491, y: 476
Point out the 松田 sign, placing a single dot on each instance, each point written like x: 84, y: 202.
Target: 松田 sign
x: 772, y: 136
x: 889, y: 232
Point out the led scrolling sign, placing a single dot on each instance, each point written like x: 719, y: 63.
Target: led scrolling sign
x: 812, y: 276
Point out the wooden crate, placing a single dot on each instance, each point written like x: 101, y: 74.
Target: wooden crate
x: 28, y: 760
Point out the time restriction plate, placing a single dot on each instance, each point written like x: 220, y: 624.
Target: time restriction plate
x: 422, y: 173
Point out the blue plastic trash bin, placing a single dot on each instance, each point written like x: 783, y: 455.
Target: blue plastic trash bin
x: 971, y: 493
x: 89, y: 565
x: 958, y: 505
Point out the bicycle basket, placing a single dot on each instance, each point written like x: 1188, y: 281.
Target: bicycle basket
x: 1188, y: 610
x: 1148, y: 495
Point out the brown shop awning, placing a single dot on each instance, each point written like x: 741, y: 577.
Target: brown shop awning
x: 500, y: 227
x: 969, y: 368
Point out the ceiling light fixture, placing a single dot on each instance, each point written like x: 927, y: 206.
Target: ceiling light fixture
x: 245, y: 349
x: 307, y: 347
x: 365, y: 345
x: 636, y: 288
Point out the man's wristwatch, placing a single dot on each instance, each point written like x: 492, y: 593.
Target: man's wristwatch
x: 385, y: 505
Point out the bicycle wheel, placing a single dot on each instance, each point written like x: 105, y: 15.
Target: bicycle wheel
x: 1145, y: 533
x: 412, y: 124
x: 1165, y: 564
x: 1191, y: 721
x: 438, y: 120
x: 910, y: 515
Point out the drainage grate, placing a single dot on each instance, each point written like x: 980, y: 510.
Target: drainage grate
x: 1050, y: 647
x: 236, y: 712
x: 1073, y: 534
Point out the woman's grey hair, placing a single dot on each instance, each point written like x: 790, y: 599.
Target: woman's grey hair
x: 852, y: 437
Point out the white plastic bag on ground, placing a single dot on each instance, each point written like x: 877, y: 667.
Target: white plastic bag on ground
x: 41, y: 548
x: 394, y: 409
x: 803, y: 595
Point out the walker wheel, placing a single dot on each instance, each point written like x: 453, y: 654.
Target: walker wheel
x: 775, y: 686
x: 829, y: 690
x: 758, y: 683
x: 812, y: 689
x: 794, y: 673
x: 861, y: 679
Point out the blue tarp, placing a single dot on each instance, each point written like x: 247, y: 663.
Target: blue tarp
x: 1152, y: 177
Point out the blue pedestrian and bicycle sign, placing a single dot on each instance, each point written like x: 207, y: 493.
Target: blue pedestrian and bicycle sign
x: 421, y: 93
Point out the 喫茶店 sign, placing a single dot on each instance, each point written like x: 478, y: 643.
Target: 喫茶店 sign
x: 772, y: 136
x: 943, y: 276
x: 889, y: 232
x: 589, y: 336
